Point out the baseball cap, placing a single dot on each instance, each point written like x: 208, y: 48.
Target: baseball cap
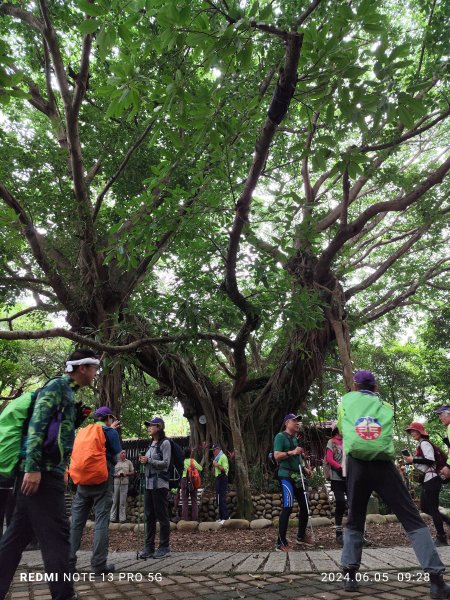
x: 155, y: 421
x: 361, y: 377
x: 103, y: 411
x: 292, y: 417
x: 443, y: 408
x: 216, y: 446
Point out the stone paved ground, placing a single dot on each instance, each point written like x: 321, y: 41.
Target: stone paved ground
x: 387, y: 574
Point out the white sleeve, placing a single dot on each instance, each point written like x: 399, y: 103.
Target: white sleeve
x: 427, y: 451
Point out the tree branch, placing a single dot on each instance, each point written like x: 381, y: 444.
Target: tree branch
x: 404, y: 248
x: 122, y: 166
x: 83, y: 75
x: 110, y: 348
x: 277, y: 110
x: 35, y: 240
x: 23, y: 15
x: 324, y: 263
x: 401, y: 298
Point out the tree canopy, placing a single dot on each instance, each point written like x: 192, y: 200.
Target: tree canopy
x: 223, y: 190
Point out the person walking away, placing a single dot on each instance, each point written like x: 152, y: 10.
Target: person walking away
x: 98, y: 494
x: 365, y: 422
x: 425, y: 462
x: 156, y: 461
x: 123, y: 470
x: 221, y: 469
x: 187, y: 489
x: 338, y: 485
x: 40, y: 504
x: 287, y: 454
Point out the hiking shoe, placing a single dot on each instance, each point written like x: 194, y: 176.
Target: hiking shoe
x: 106, y: 569
x: 306, y: 540
x: 441, y: 540
x: 281, y: 548
x: 438, y: 587
x: 162, y: 553
x: 350, y: 583
x: 146, y: 553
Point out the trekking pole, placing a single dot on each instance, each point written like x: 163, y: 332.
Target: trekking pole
x: 306, y: 496
x: 140, y: 494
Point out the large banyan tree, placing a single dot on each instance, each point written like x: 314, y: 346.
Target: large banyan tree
x: 219, y: 191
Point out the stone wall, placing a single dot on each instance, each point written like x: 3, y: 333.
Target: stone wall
x: 267, y: 506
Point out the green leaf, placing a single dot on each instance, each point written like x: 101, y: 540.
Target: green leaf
x: 93, y: 10
x: 124, y: 33
x: 266, y: 13
x: 89, y: 26
x: 105, y: 40
x: 406, y: 116
x: 245, y: 56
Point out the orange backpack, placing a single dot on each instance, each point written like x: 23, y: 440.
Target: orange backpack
x: 88, y: 463
x: 193, y: 475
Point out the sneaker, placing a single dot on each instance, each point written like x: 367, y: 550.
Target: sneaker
x: 281, y: 548
x: 221, y: 521
x: 162, y: 553
x: 306, y: 540
x: 106, y: 569
x: 146, y: 553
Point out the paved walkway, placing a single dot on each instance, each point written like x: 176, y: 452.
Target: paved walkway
x: 386, y: 573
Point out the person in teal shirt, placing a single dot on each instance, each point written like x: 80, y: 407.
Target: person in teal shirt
x: 221, y: 468
x: 187, y: 490
x: 287, y: 453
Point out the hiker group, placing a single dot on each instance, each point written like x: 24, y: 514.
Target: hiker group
x: 37, y: 433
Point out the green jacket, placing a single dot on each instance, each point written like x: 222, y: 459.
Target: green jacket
x: 58, y: 392
x: 223, y: 462
x: 187, y: 462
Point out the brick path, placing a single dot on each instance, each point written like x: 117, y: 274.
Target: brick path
x: 390, y: 575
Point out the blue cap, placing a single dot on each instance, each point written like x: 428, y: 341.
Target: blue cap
x: 103, y: 411
x: 292, y: 417
x: 364, y: 377
x: 443, y: 408
x: 155, y: 421
x: 216, y: 446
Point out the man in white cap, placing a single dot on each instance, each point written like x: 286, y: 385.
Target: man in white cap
x: 40, y: 506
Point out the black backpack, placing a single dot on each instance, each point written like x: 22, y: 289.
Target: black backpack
x: 273, y: 464
x: 176, y: 465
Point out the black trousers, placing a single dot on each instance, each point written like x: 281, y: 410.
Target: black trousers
x: 6, y: 507
x: 44, y: 515
x: 429, y: 503
x: 221, y: 495
x: 381, y: 476
x: 157, y: 509
x: 339, y: 489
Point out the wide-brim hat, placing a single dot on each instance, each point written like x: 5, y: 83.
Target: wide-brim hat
x: 418, y: 427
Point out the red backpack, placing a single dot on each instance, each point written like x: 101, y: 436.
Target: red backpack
x: 439, y: 455
x: 193, y: 475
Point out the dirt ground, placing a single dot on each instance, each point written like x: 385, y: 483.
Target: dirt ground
x: 379, y: 535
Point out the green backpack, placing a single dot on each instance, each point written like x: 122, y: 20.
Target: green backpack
x: 366, y: 426
x: 14, y: 421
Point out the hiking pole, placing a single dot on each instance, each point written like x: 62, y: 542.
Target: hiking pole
x: 140, y: 494
x: 306, y: 496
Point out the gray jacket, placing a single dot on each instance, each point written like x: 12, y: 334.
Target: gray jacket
x: 156, y: 470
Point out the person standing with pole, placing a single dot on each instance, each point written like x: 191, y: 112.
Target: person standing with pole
x: 287, y: 454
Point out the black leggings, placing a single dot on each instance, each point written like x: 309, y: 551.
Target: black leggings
x: 339, y: 489
x: 429, y: 503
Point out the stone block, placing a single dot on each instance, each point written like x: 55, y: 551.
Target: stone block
x: 260, y: 524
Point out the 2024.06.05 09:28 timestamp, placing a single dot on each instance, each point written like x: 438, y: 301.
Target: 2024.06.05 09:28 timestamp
x: 378, y: 577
